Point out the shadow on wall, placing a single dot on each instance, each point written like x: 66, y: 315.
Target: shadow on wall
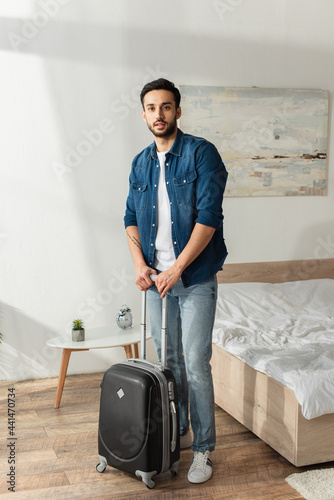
x: 90, y: 167
x: 24, y: 353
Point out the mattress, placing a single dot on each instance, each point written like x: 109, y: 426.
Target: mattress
x: 285, y: 330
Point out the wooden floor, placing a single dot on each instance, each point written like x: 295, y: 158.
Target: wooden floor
x: 56, y: 453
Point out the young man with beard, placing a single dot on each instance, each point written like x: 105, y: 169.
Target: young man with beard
x: 174, y: 224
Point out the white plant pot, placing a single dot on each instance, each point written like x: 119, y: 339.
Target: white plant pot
x: 78, y: 335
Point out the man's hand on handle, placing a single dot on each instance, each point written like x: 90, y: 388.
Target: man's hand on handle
x: 167, y: 279
x: 143, y: 280
x: 163, y: 282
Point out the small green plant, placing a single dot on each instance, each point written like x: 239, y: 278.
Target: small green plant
x: 77, y: 324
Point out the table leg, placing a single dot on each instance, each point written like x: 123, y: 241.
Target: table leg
x: 62, y: 374
x: 128, y: 351
x: 136, y: 351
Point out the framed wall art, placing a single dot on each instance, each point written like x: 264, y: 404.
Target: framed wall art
x: 272, y: 141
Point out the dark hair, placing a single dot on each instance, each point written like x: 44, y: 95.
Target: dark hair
x: 161, y: 84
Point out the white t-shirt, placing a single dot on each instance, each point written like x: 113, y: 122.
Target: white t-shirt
x: 164, y: 256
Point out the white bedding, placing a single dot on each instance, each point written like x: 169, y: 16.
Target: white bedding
x: 285, y: 330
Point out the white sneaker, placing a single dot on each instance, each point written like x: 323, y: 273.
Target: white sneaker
x: 186, y: 441
x: 201, y: 468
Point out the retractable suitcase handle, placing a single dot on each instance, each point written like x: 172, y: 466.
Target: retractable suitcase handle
x: 163, y: 328
x: 163, y: 362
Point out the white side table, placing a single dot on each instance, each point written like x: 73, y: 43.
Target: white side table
x: 95, y: 338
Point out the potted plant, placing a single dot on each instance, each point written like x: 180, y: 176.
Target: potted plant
x: 78, y: 331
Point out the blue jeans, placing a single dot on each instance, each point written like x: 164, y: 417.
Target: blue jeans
x: 190, y: 318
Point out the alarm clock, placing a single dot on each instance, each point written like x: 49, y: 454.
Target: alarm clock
x: 124, y: 317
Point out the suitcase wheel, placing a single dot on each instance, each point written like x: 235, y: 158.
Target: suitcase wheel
x: 146, y: 477
x: 101, y: 467
x: 175, y: 468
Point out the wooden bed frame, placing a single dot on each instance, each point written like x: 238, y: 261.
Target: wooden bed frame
x: 261, y: 404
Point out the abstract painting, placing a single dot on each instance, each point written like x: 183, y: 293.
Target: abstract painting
x: 273, y: 141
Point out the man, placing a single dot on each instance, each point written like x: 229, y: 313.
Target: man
x: 174, y: 224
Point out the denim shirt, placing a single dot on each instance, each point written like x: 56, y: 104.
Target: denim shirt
x: 195, y: 181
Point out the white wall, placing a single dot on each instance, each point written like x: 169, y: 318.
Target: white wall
x: 69, y: 67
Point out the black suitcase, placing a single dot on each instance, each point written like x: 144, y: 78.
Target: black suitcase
x: 139, y: 421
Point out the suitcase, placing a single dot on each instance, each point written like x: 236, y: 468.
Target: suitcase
x: 139, y: 421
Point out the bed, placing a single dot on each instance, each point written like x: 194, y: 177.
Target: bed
x: 286, y: 399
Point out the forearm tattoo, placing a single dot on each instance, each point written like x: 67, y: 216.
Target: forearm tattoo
x: 134, y: 240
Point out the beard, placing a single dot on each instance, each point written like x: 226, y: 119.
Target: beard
x: 164, y: 133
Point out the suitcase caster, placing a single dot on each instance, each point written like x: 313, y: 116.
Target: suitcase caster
x: 175, y: 468
x: 101, y: 467
x: 146, y: 477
